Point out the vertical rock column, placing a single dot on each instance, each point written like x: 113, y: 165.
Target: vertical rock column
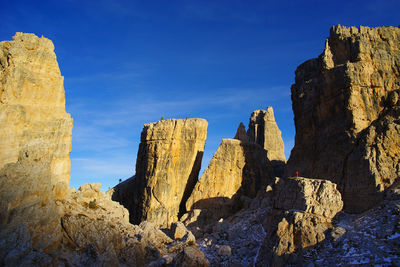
x: 167, y: 168
x: 264, y: 131
x: 35, y: 138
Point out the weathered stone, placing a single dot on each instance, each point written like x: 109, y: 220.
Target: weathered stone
x: 167, y: 168
x: 237, y: 168
x: 302, y: 211
x: 191, y: 257
x: 179, y: 231
x: 224, y: 251
x: 314, y: 196
x: 264, y: 131
x: 374, y: 163
x: 35, y: 140
x: 336, y: 98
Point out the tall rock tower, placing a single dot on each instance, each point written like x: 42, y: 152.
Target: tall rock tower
x: 346, y: 113
x: 35, y: 138
x: 167, y: 169
x: 264, y: 131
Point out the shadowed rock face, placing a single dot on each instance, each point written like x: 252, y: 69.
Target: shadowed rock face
x: 264, y: 131
x: 237, y: 168
x: 342, y: 103
x: 167, y: 168
x: 35, y: 139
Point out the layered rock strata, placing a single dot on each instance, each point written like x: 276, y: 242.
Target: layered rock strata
x: 236, y: 169
x: 341, y: 101
x: 167, y: 168
x: 264, y: 131
x: 302, y: 211
x: 35, y: 140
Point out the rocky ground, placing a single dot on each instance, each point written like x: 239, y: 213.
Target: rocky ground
x: 370, y: 238
x: 236, y: 240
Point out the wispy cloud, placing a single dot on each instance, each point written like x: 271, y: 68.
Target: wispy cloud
x: 96, y: 139
x: 105, y: 166
x: 132, y: 110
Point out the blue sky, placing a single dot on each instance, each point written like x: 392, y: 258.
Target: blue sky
x: 127, y: 63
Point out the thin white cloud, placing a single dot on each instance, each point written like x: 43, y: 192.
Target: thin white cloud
x: 92, y: 138
x: 105, y: 166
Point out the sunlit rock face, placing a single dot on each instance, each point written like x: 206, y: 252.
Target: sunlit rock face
x: 237, y: 169
x: 167, y: 168
x: 301, y: 213
x: 346, y: 114
x: 264, y: 131
x: 35, y: 139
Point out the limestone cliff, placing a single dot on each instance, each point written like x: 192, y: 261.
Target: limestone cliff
x: 342, y: 102
x: 237, y: 169
x: 167, y: 168
x: 35, y: 138
x: 264, y: 131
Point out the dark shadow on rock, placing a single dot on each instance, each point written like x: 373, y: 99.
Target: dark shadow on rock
x: 124, y: 193
x: 193, y: 178
x: 257, y: 173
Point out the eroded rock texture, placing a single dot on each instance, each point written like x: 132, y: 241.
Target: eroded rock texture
x: 264, y: 131
x: 236, y: 169
x: 167, y: 168
x: 35, y: 141
x: 302, y: 210
x: 346, y: 118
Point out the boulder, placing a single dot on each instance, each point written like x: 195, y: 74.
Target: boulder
x: 301, y: 213
x: 339, y: 99
x: 179, y: 231
x: 191, y: 257
x: 167, y: 168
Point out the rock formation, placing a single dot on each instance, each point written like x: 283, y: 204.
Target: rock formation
x: 35, y: 139
x: 236, y: 169
x: 43, y: 222
x: 264, y: 131
x: 346, y: 118
x: 167, y: 168
x: 302, y: 211
x: 241, y: 133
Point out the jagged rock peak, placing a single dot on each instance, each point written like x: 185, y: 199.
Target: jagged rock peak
x: 241, y: 133
x: 341, y: 101
x: 264, y: 131
x: 167, y: 168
